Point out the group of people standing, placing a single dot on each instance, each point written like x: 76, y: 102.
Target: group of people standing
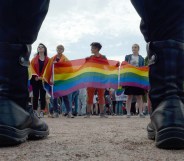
x: 38, y: 67
x: 162, y: 25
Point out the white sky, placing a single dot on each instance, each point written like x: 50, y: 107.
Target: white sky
x: 78, y: 23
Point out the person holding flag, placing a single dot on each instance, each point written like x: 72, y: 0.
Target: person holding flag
x: 59, y: 58
x: 37, y: 67
x: 137, y: 60
x: 95, y: 48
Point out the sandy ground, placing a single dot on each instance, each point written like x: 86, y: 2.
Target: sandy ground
x: 114, y: 139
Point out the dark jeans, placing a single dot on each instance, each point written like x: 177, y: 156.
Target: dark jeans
x: 114, y: 106
x: 38, y: 91
x: 75, y: 101
x: 161, y: 19
x: 67, y: 103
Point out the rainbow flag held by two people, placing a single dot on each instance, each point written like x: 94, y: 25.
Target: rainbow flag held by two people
x: 69, y: 76
x: 66, y: 77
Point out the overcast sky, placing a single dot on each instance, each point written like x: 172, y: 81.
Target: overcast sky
x: 77, y: 23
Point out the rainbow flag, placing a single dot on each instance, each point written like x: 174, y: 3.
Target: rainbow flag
x: 72, y: 75
x: 29, y: 80
x: 134, y: 76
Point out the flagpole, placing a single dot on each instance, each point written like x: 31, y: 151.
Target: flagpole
x: 119, y: 75
x: 52, y: 87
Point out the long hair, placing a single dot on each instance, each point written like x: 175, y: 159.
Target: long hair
x: 45, y: 49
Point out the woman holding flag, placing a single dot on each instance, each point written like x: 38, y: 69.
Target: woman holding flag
x: 38, y: 65
x: 136, y: 60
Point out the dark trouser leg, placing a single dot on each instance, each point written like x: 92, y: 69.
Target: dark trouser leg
x: 166, y: 93
x: 42, y: 96
x: 16, y: 17
x: 161, y: 20
x: 114, y: 106
x: 163, y: 26
x: 35, y: 95
x: 67, y: 102
x: 75, y: 100
x: 55, y: 105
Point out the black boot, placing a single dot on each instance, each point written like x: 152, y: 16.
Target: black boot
x: 17, y: 120
x: 166, y: 61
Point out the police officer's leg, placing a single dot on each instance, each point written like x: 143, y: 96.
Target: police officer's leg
x: 20, y: 22
x: 163, y: 27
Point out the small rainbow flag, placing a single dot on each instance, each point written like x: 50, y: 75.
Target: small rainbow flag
x: 134, y: 76
x: 70, y: 76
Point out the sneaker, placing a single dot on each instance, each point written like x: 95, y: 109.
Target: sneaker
x: 102, y: 115
x: 41, y: 114
x: 70, y: 115
x: 128, y: 115
x: 141, y: 115
x: 56, y: 115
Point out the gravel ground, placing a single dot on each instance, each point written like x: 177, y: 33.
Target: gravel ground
x: 116, y: 138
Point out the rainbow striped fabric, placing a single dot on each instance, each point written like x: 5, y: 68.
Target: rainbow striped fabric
x: 72, y: 75
x: 134, y: 76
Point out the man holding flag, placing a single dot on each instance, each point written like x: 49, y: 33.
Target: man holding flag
x: 95, y: 48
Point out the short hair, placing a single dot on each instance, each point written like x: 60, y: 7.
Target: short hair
x: 96, y: 45
x: 136, y: 45
x: 60, y: 46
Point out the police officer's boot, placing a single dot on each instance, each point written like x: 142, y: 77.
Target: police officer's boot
x: 17, y: 120
x: 166, y: 62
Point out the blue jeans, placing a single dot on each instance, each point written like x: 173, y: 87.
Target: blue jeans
x: 66, y: 100
x: 82, y: 105
x: 119, y: 110
x: 75, y: 101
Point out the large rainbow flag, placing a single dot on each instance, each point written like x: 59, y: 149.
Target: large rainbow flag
x: 72, y: 75
x: 134, y: 76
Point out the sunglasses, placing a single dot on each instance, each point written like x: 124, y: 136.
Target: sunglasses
x: 40, y: 47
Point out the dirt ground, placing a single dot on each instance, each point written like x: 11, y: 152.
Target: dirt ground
x: 116, y: 138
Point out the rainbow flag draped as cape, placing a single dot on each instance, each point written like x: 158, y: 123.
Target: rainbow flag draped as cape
x: 72, y: 75
x: 134, y: 76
